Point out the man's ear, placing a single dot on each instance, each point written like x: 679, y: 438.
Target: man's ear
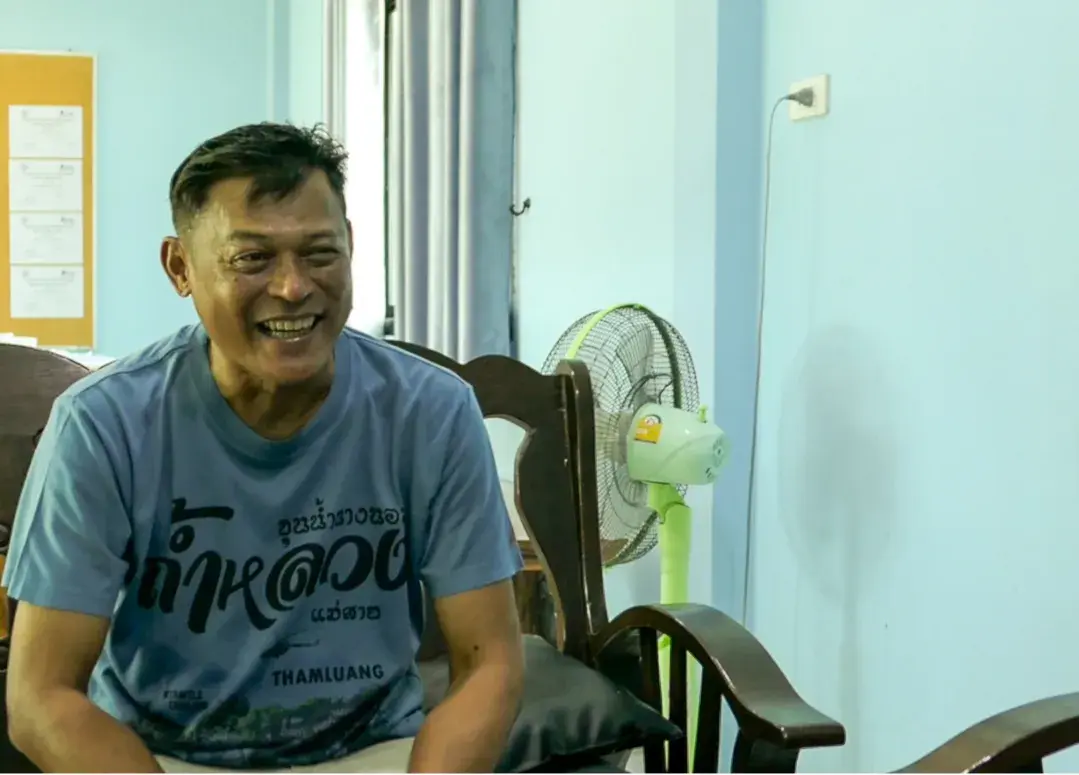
x: 174, y: 262
x: 348, y: 224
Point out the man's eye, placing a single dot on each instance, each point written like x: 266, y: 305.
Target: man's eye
x: 249, y: 259
x: 327, y: 256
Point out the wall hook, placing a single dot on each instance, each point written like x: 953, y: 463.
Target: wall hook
x: 525, y: 205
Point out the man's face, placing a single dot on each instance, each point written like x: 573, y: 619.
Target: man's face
x: 271, y: 280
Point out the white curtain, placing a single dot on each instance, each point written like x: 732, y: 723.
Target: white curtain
x: 450, y: 171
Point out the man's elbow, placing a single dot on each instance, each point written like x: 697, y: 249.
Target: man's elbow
x: 516, y: 693
x: 21, y: 723
x: 501, y: 675
x: 513, y: 680
x: 30, y: 716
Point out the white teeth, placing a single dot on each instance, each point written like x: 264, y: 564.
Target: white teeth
x: 289, y: 328
x: 295, y: 325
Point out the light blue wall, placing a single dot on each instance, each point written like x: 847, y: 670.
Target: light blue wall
x: 169, y: 75
x: 639, y: 142
x: 617, y: 151
x: 738, y: 219
x: 300, y: 59
x: 915, y: 564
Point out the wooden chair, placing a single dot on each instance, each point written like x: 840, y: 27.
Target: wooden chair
x: 555, y: 482
x: 30, y: 380
x: 1017, y: 740
x: 556, y: 494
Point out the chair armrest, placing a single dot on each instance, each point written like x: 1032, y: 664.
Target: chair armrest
x: 1016, y: 740
x: 763, y: 701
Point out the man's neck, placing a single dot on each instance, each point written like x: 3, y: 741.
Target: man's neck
x: 272, y: 411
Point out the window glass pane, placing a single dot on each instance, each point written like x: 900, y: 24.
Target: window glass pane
x: 365, y: 141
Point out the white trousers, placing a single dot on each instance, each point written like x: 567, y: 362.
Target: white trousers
x: 389, y: 757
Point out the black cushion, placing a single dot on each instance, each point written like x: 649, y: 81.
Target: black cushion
x: 570, y: 713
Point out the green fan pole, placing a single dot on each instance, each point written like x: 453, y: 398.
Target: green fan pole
x: 675, y: 537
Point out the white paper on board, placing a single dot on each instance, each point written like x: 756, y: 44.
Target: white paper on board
x: 90, y: 360
x: 45, y: 186
x: 25, y: 341
x: 46, y: 238
x: 45, y: 131
x: 46, y: 292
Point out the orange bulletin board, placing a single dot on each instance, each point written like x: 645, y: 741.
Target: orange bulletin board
x: 47, y: 197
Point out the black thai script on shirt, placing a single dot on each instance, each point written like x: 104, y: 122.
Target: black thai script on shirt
x: 266, y: 588
x: 321, y: 519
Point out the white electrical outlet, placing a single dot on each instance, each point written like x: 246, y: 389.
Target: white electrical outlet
x: 819, y: 84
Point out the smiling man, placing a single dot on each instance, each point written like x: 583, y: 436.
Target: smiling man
x: 221, y: 542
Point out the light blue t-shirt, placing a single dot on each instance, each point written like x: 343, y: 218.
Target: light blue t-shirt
x: 265, y: 596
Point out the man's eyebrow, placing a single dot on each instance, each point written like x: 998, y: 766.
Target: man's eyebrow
x: 248, y: 236
x: 242, y: 235
x: 321, y: 235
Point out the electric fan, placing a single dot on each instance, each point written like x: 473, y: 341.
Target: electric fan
x: 652, y: 438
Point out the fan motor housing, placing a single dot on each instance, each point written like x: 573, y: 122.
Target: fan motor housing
x: 672, y: 446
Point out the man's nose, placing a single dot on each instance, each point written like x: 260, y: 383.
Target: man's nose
x: 291, y: 281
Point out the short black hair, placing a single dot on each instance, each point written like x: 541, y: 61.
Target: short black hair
x: 277, y: 157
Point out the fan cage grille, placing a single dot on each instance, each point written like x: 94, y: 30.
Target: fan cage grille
x: 634, y: 357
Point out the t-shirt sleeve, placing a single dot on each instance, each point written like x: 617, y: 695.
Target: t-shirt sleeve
x: 71, y: 528
x: 470, y: 541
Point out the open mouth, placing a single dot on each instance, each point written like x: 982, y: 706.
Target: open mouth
x: 289, y: 329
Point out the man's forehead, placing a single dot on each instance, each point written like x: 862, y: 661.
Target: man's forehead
x: 312, y: 211
x: 235, y: 196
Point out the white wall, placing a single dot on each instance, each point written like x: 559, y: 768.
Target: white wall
x: 616, y: 149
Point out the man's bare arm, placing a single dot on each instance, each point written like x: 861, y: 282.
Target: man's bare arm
x: 467, y: 731
x: 50, y: 718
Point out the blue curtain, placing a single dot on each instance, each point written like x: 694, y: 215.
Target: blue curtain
x: 450, y: 174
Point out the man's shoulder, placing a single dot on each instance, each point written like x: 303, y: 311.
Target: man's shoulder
x: 385, y: 365
x: 129, y: 383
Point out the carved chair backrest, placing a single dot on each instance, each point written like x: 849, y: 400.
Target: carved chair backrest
x: 30, y: 381
x: 554, y: 480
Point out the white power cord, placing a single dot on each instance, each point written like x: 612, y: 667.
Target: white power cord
x: 803, y: 97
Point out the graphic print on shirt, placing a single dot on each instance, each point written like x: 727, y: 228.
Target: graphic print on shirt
x: 330, y: 569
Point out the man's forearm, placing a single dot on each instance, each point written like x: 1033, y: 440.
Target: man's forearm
x: 68, y: 733
x: 467, y: 731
